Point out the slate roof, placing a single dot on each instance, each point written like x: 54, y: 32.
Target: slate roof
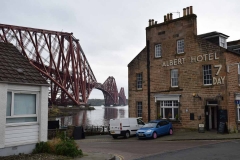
x: 214, y: 33
x: 15, y: 68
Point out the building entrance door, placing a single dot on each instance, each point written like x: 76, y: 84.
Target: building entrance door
x: 213, y: 117
x: 211, y: 114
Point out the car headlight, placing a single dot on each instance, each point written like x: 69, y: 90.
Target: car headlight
x: 149, y: 131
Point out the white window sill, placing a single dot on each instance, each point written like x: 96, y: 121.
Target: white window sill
x: 22, y: 116
x: 180, y: 52
x: 207, y: 84
x: 21, y: 124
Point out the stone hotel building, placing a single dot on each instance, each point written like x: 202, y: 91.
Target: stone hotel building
x: 187, y: 78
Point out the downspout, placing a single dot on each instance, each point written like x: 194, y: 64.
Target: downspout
x: 148, y: 78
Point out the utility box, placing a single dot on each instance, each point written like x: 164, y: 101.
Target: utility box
x: 78, y: 133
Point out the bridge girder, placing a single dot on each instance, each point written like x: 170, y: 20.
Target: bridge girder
x: 122, y: 97
x: 110, y: 92
x: 59, y: 57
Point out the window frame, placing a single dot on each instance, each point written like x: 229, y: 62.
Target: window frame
x: 222, y: 42
x: 163, y: 107
x: 174, y: 78
x: 12, y: 116
x: 207, y: 75
x: 180, y: 43
x: 139, y: 111
x: 139, y: 81
x: 158, y: 50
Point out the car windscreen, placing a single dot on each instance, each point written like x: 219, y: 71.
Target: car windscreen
x: 149, y: 125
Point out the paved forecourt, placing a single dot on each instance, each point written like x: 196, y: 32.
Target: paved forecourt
x: 133, y: 148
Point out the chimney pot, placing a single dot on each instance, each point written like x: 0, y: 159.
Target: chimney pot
x: 152, y: 22
x: 149, y: 22
x: 187, y: 10
x: 184, y: 12
x: 155, y: 22
x: 165, y: 18
x: 191, y: 10
x: 170, y: 16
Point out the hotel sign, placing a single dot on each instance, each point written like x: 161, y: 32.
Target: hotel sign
x: 196, y: 59
x: 192, y: 59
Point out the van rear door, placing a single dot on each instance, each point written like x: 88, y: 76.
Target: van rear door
x: 114, y: 126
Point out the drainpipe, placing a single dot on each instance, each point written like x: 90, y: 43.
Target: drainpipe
x: 148, y: 77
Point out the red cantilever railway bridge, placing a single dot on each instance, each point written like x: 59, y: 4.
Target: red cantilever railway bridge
x: 59, y: 57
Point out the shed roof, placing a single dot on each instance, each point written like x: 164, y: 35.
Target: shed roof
x: 15, y: 68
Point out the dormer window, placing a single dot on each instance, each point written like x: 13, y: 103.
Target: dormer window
x: 222, y: 42
x: 216, y: 38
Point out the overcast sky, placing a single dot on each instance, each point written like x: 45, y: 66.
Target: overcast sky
x: 112, y: 32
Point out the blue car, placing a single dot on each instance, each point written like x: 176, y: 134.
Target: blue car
x: 155, y: 128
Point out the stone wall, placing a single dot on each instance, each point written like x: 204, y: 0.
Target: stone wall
x: 197, y: 52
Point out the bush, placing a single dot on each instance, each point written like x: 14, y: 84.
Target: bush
x: 42, y: 147
x: 53, y: 143
x: 60, y: 135
x: 59, y: 146
x: 68, y: 148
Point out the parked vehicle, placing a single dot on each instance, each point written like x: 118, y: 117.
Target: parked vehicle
x: 155, y: 128
x: 124, y: 126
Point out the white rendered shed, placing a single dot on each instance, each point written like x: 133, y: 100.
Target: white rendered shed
x: 23, y: 103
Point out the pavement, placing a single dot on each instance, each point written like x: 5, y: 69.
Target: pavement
x: 180, y: 135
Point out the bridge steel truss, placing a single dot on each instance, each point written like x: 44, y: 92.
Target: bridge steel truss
x: 110, y: 92
x: 59, y: 57
x: 122, y: 97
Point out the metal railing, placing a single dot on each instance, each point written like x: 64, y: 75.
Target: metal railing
x: 96, y: 130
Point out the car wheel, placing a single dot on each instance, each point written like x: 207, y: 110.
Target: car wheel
x: 154, y: 136
x: 127, y: 135
x: 170, y: 131
x: 115, y: 137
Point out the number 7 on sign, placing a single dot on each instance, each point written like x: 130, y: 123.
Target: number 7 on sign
x: 219, y: 66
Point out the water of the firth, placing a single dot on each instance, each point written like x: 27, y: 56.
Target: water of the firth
x: 98, y: 117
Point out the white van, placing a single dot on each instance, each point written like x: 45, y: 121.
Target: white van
x: 124, y: 126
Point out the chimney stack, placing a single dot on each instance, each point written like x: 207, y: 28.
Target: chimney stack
x: 187, y: 11
x: 184, y: 12
x: 191, y: 10
x: 165, y: 18
x: 170, y: 16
